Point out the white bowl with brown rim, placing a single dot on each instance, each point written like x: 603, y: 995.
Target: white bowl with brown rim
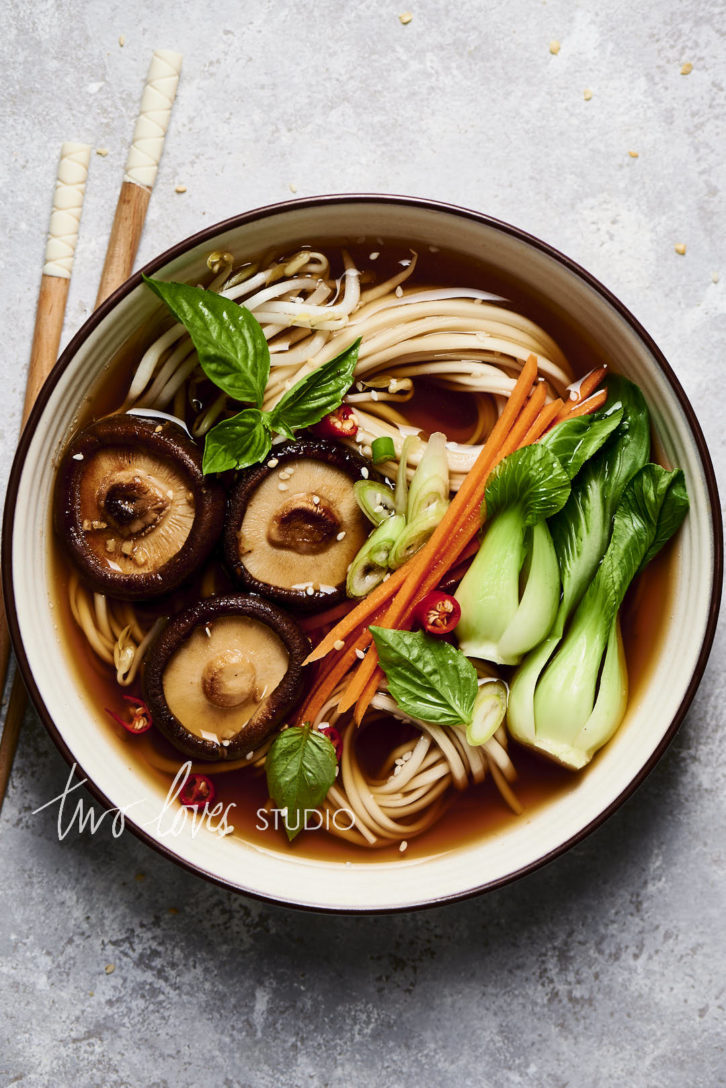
x: 557, y: 287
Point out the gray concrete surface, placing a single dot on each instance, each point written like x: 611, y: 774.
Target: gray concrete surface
x: 607, y: 967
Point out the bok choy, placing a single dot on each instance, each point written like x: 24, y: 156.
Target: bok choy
x: 510, y: 595
x: 568, y: 708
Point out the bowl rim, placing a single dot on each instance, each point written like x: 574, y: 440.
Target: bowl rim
x: 261, y: 213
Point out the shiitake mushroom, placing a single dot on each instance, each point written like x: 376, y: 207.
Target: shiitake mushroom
x: 223, y: 674
x: 132, y: 508
x: 293, y: 524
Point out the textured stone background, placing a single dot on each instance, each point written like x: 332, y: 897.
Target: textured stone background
x: 607, y: 967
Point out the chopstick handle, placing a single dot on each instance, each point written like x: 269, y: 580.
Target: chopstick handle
x: 128, y: 223
x: 60, y: 249
x: 141, y: 168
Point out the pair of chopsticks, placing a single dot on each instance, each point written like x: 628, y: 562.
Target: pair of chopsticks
x: 139, y: 176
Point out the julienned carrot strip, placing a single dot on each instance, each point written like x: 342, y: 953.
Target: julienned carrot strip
x: 526, y: 418
x: 590, y: 405
x: 582, y: 391
x: 544, y: 420
x: 324, y: 688
x: 359, y: 615
x: 469, y: 495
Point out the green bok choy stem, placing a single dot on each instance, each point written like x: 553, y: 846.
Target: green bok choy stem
x: 573, y: 707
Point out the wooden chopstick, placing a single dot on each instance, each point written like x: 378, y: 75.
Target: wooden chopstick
x: 128, y: 223
x: 49, y: 314
x: 141, y: 167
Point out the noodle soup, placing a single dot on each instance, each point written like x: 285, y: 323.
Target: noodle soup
x: 438, y: 354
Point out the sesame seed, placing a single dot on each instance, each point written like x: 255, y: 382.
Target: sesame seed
x: 554, y: 47
x: 587, y: 94
x: 249, y: 755
x: 399, y: 291
x: 341, y: 535
x: 292, y: 187
x: 273, y: 462
x: 397, y: 769
x: 110, y: 968
x: 284, y: 476
x: 121, y: 40
x: 282, y: 487
x: 714, y: 277
x: 374, y: 394
x: 407, y: 756
x: 686, y: 68
x: 364, y: 473
x: 359, y: 654
x: 102, y: 151
x: 77, y: 456
x: 180, y: 188
x: 403, y: 847
x: 680, y: 248
x: 373, y: 256
x: 316, y: 500
x: 405, y: 18
x: 309, y: 591
x: 338, y: 644
x: 633, y: 154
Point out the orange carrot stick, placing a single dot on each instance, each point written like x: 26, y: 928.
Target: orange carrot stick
x: 526, y: 418
x: 359, y: 615
x: 587, y: 406
x: 544, y: 420
x: 582, y: 390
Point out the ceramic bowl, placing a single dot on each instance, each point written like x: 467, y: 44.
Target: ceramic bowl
x: 524, y: 843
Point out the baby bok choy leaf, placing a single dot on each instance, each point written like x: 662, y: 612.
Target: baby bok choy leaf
x: 573, y: 707
x: 581, y: 531
x: 500, y: 620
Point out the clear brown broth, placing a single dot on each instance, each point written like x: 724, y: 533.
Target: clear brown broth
x: 479, y: 811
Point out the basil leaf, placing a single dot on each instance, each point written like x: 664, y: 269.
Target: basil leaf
x: 238, y: 442
x: 230, y: 343
x: 300, y: 768
x: 428, y: 679
x: 315, y: 395
x: 532, y: 479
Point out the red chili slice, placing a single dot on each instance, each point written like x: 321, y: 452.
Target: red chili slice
x: 140, y: 719
x: 342, y: 423
x: 438, y: 613
x: 334, y: 737
x: 197, y: 791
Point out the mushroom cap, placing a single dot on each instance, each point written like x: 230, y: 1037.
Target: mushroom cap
x: 293, y: 525
x: 132, y: 507
x: 223, y: 674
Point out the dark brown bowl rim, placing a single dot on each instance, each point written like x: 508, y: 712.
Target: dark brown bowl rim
x: 384, y: 199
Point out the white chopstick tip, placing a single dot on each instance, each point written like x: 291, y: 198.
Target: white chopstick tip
x: 65, y: 217
x: 152, y: 122
x: 174, y: 60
